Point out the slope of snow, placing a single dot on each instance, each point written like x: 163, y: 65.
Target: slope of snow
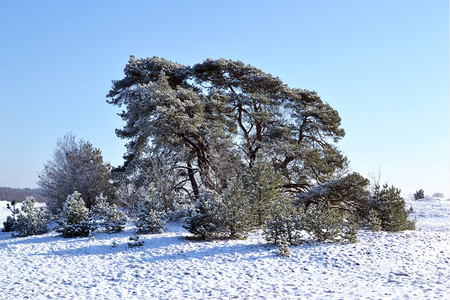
x: 412, y: 264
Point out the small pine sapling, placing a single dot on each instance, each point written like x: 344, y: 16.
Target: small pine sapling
x: 10, y: 222
x: 284, y: 223
x: 324, y: 223
x: 284, y: 250
x: 420, y: 194
x: 31, y: 220
x: 151, y: 217
x: 350, y: 231
x: 262, y: 183
x: 235, y: 211
x: 75, y: 220
x: 134, y: 241
x: 107, y: 216
x: 390, y: 207
x: 204, y: 220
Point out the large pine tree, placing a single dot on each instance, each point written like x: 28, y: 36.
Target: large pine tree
x: 219, y: 115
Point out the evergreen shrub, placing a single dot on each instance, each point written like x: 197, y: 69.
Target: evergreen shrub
x: 10, y: 222
x: 389, y: 207
x: 204, y: 220
x: 107, y: 216
x: 75, y: 219
x: 151, y: 217
x: 31, y: 220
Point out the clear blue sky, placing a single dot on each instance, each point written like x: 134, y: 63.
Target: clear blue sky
x: 384, y: 65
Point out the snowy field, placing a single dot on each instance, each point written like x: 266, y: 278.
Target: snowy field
x: 408, y: 265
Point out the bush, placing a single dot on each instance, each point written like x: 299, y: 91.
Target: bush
x: 388, y: 205
x: 10, y: 222
x: 31, y: 220
x: 204, y: 220
x: 284, y: 223
x: 151, y: 217
x: 107, y: 216
x: 75, y: 220
x: 420, y: 194
x: 284, y: 250
x: 262, y: 183
x: 235, y: 212
x: 324, y: 223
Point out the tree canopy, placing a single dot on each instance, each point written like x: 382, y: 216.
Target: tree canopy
x: 213, y: 119
x: 75, y: 166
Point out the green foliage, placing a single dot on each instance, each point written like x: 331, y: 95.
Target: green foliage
x: 284, y: 223
x: 221, y: 115
x: 151, y: 217
x: 420, y: 194
x: 107, y: 216
x: 263, y: 187
x: 389, y: 207
x: 10, y: 222
x: 235, y: 211
x: 134, y: 241
x: 374, y: 221
x: 31, y: 220
x: 324, y: 223
x: 348, y: 192
x: 204, y: 221
x: 284, y: 250
x: 75, y: 220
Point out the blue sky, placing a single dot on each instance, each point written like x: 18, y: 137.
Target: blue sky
x: 384, y: 65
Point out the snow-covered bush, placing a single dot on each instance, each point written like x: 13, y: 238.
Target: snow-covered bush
x: 10, y: 222
x: 31, y: 220
x: 324, y: 223
x: 262, y: 183
x: 235, y: 212
x: 374, y: 221
x: 390, y: 209
x: 420, y: 194
x: 284, y: 223
x: 107, y: 216
x: 284, y: 250
x: 75, y: 220
x: 151, y: 217
x: 134, y: 241
x: 204, y: 220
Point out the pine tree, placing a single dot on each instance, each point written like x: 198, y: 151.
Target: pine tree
x: 31, y: 220
x: 75, y: 220
x: 324, y: 223
x: 284, y: 223
x: 420, y: 194
x: 107, y: 216
x: 204, y: 220
x: 284, y: 250
x: 235, y: 211
x: 151, y: 216
x: 10, y: 222
x: 263, y: 185
x: 389, y: 205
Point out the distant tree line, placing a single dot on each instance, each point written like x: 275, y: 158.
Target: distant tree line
x: 20, y: 194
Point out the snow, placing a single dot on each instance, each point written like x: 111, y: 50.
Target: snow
x: 411, y: 264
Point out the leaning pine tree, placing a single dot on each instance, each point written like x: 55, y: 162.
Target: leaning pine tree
x: 217, y: 118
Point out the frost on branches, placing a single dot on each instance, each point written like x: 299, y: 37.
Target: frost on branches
x: 107, y: 216
x: 75, y: 219
x: 151, y: 217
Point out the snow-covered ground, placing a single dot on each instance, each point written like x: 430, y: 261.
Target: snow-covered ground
x: 408, y: 265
